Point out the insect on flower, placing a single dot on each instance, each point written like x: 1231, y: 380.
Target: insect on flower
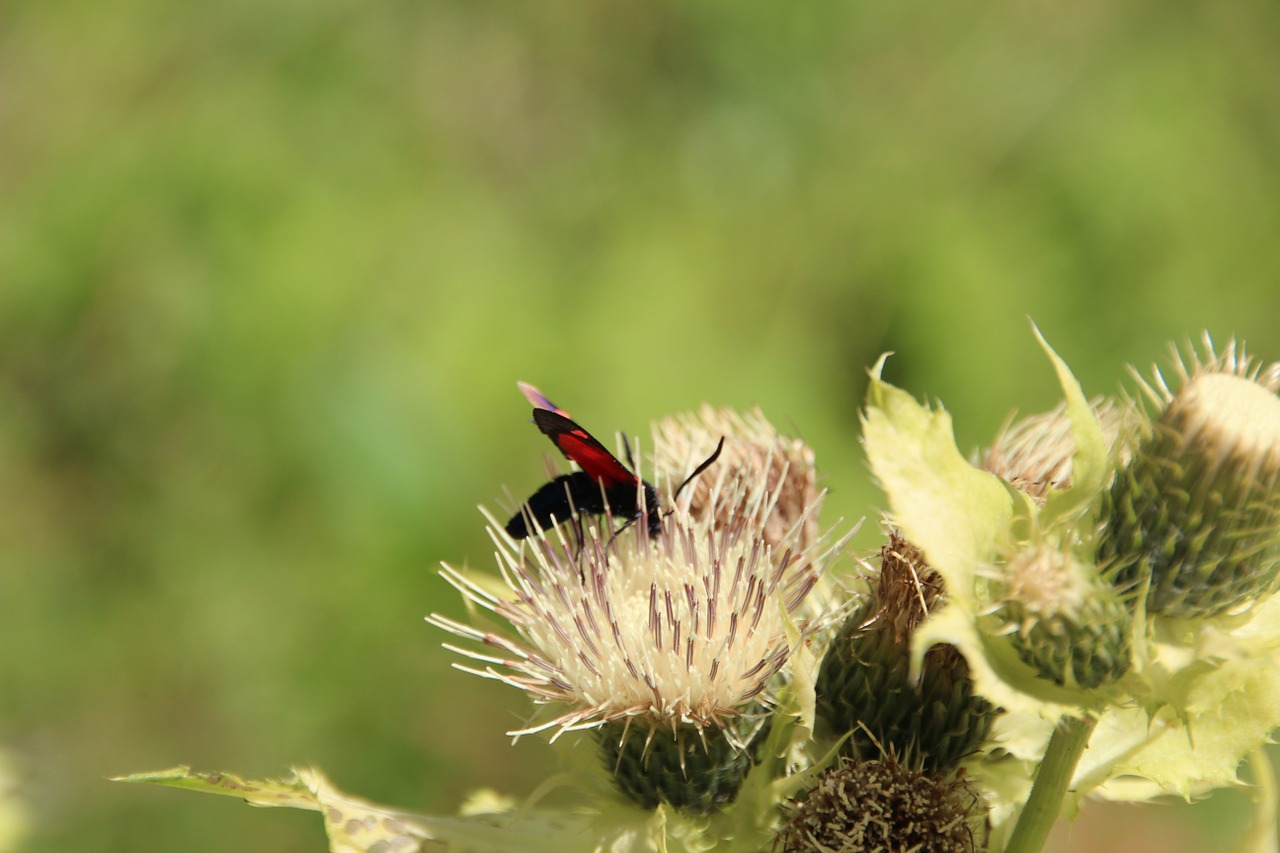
x: 603, y: 485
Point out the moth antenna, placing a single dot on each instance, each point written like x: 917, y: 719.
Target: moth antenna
x: 696, y: 471
x: 627, y: 446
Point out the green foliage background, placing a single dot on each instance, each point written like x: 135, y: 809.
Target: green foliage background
x: 269, y: 272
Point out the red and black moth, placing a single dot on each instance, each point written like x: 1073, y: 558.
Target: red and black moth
x: 603, y: 485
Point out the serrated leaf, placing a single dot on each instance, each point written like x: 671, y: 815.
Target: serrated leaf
x: 1089, y: 463
x: 955, y: 513
x: 289, y: 792
x: 1212, y: 698
x: 959, y: 516
x: 1229, y: 713
x: 353, y: 825
x: 491, y: 824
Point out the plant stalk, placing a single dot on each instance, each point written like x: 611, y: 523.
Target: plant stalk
x: 1045, y: 803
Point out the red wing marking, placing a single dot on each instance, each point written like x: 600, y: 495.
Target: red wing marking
x: 579, y: 446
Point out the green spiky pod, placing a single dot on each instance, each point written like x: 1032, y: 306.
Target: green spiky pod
x: 1197, y: 511
x: 860, y: 807
x: 693, y: 768
x: 865, y: 686
x: 1063, y: 621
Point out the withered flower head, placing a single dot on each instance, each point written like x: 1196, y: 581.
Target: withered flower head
x: 865, y: 686
x: 880, y: 805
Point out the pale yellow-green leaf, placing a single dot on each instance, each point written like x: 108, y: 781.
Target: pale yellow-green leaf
x: 998, y: 674
x: 1089, y: 463
x: 952, y: 511
x: 1264, y: 835
x: 959, y: 516
x: 491, y: 824
x: 1005, y: 782
x: 1210, y: 696
x: 14, y: 819
x: 1255, y: 633
x: 1229, y: 713
x: 291, y: 791
x: 802, y: 667
x: 353, y: 825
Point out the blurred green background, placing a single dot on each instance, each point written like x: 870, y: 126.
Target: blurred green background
x: 269, y: 272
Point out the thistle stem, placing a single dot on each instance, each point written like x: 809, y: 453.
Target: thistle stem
x: 1044, y: 804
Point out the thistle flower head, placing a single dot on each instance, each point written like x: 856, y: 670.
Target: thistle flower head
x: 907, y: 588
x: 860, y: 807
x: 688, y: 626
x: 1196, y: 514
x: 1189, y: 364
x: 1034, y: 454
x: 1048, y: 582
x: 665, y: 644
x: 755, y: 456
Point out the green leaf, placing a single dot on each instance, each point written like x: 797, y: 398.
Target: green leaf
x: 959, y: 516
x: 1264, y: 835
x: 353, y: 825
x: 1211, y: 698
x: 489, y: 824
x: 14, y: 817
x: 951, y: 510
x: 1088, y: 464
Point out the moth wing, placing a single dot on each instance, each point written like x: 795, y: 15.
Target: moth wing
x: 581, y: 447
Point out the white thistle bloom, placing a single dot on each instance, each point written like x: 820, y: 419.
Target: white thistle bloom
x: 686, y: 627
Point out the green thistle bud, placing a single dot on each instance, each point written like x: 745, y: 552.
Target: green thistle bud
x: 880, y: 805
x: 865, y: 685
x: 1063, y: 620
x: 686, y: 766
x: 1197, y: 511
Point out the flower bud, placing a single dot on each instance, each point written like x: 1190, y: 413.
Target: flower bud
x: 1196, y: 513
x: 865, y: 685
x: 1063, y: 620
